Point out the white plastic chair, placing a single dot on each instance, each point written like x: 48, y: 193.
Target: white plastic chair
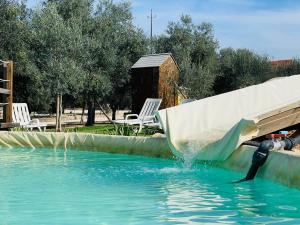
x: 146, y: 115
x: 21, y: 116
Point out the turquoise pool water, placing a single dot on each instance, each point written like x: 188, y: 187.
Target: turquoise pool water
x: 79, y: 187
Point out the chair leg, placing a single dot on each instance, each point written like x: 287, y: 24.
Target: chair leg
x: 140, y: 128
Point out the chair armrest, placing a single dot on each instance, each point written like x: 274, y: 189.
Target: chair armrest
x: 149, y: 118
x: 34, y: 121
x: 131, y: 115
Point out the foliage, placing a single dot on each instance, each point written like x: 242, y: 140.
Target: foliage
x: 112, y: 129
x: 58, y: 49
x: 240, y: 68
x: 84, y: 49
x: 194, y: 48
x: 288, y: 70
x: 19, y: 129
x: 122, y: 44
x: 14, y: 31
x: 14, y: 45
x: 200, y: 81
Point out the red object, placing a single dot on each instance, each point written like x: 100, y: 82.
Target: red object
x: 284, y: 62
x: 274, y: 136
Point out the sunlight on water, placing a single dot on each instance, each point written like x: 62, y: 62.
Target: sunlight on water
x: 79, y: 187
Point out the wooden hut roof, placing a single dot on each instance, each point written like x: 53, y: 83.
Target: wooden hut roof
x: 153, y: 60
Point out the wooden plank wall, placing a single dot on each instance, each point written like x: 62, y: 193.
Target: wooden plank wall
x: 144, y: 84
x: 168, y: 74
x: 279, y: 121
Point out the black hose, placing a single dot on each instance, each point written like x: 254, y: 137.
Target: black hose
x: 291, y: 142
x: 297, y: 140
x: 260, y: 156
x: 252, y: 143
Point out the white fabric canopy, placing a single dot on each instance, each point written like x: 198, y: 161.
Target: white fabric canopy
x: 212, y: 128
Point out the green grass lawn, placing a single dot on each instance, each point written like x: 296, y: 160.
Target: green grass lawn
x: 107, y: 129
x: 111, y: 129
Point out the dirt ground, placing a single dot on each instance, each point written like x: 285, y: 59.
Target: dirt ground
x: 73, y: 116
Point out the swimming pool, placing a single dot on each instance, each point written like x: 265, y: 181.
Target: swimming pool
x: 46, y: 186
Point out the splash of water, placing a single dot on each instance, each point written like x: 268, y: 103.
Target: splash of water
x: 191, y: 152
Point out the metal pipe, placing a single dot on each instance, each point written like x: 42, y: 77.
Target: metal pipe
x: 260, y: 156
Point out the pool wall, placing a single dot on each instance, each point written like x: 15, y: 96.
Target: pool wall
x: 147, y: 146
x: 282, y: 166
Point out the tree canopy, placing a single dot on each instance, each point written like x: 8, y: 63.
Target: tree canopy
x: 83, y: 50
x: 195, y: 49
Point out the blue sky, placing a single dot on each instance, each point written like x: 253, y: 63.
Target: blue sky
x: 268, y: 27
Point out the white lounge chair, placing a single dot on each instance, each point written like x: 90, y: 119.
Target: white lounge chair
x: 146, y: 115
x: 21, y: 116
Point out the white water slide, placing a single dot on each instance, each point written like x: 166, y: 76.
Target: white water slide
x: 212, y: 128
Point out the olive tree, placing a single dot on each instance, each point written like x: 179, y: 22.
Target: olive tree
x: 240, y: 68
x: 57, y: 53
x: 194, y: 47
x: 115, y: 45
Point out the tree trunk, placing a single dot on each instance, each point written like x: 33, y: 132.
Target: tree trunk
x: 91, y: 112
x: 82, y: 113
x: 114, y: 112
x: 58, y: 112
x: 103, y: 111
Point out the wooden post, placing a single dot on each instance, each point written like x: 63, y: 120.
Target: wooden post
x: 9, y: 86
x: 82, y: 113
x: 60, y: 112
x: 57, y: 113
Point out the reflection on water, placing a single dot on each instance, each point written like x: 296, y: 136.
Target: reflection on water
x: 188, y: 202
x: 77, y: 187
x: 191, y: 201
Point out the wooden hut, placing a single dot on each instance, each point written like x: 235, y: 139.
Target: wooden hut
x: 154, y: 76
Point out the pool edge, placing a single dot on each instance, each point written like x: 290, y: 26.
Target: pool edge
x: 147, y: 146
